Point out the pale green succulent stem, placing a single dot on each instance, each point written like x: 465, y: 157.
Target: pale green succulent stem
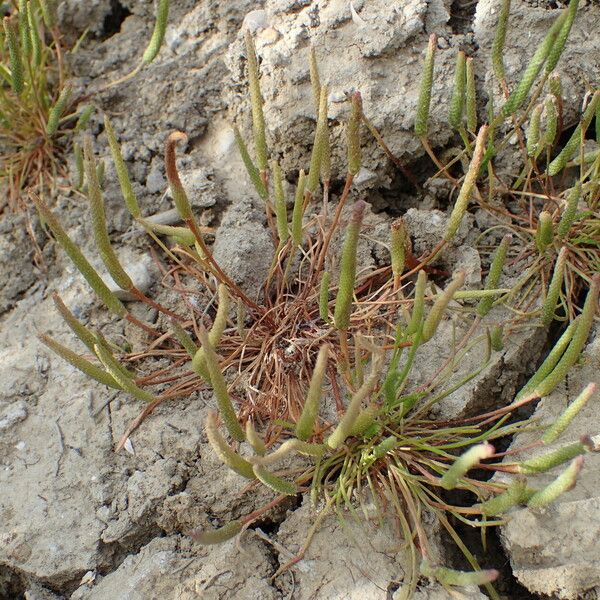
x: 588, y: 159
x: 36, y: 50
x: 550, y: 362
x: 319, y: 145
x: 560, y: 424
x: 497, y: 338
x: 353, y: 135
x: 398, y: 248
x: 572, y: 353
x: 478, y: 294
x: 545, y: 462
x: 516, y: 493
x: 555, y: 86
x: 460, y: 207
x: 14, y: 52
x: 100, y: 171
x: 343, y: 300
x: 315, y: 80
x: 559, y: 163
x: 471, y: 97
x: 215, y: 333
x: 342, y: 431
x: 122, y: 174
x: 82, y: 264
x: 359, y: 372
x: 219, y: 386
x: 224, y: 451
x: 240, y: 318
x: 57, y: 110
x: 182, y: 235
x: 78, y: 152
x: 544, y: 233
x: 103, y: 343
x: 84, y: 117
x: 48, y: 8
x: 256, y: 101
x: 254, y: 439
x: 452, y: 577
x: 570, y: 212
x: 493, y: 278
x: 24, y: 33
x: 158, y: 35
x: 177, y: 190
x: 499, y: 39
x: 120, y: 376
x: 550, y: 120
x: 324, y: 297
x: 436, y: 313
x: 395, y: 379
x: 533, y: 131
x: 520, y: 93
x: 364, y: 420
x: 549, y: 306
x: 424, y: 101
x: 184, y: 338
x: 253, y: 172
x: 80, y: 363
x: 306, y: 423
x: 82, y: 332
x: 280, y: 210
x: 293, y: 446
x: 277, y: 484
x: 216, y: 536
x: 466, y: 461
x: 298, y: 209
x: 326, y: 159
x: 107, y: 253
x: 563, y: 483
x: 457, y: 103
x: 561, y: 38
x: 385, y: 446
x: 418, y: 310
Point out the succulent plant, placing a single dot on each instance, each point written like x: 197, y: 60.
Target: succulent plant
x: 316, y: 373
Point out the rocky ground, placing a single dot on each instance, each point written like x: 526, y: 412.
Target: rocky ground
x: 79, y: 521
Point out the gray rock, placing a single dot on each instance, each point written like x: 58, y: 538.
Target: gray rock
x: 173, y: 567
x: 243, y: 247
x: 156, y: 182
x: 199, y: 186
x: 375, y: 47
x: 17, y: 272
x: 76, y: 16
x: 140, y: 268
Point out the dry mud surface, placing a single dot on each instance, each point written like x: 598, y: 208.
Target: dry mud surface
x: 79, y: 521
